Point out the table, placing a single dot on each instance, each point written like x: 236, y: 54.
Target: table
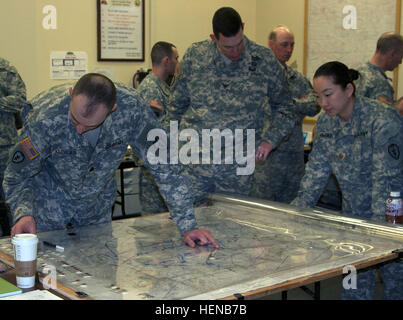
x: 9, y: 275
x: 265, y: 247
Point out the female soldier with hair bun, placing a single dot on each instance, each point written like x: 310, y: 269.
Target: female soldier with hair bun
x: 360, y: 141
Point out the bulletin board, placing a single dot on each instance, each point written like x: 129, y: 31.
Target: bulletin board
x: 347, y: 31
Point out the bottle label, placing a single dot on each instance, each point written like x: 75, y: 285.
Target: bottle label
x: 394, y: 210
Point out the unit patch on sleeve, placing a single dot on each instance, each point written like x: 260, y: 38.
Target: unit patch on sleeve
x: 394, y: 151
x: 19, y: 160
x: 18, y: 157
x: 29, y: 149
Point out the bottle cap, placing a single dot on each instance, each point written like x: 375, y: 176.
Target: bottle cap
x: 395, y: 194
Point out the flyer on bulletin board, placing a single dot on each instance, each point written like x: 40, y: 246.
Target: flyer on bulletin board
x: 120, y: 30
x: 66, y: 65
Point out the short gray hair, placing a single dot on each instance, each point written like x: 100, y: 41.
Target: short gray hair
x: 273, y: 33
x: 389, y: 41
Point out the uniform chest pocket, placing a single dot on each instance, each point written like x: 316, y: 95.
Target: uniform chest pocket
x: 70, y: 165
x: 243, y: 90
x: 112, y: 153
x: 203, y: 92
x: 361, y: 154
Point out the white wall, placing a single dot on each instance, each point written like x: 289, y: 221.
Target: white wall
x: 27, y: 45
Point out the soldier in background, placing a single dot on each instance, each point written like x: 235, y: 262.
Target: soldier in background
x: 279, y: 177
x: 399, y: 106
x: 12, y: 100
x: 155, y: 91
x: 224, y: 84
x: 61, y: 172
x: 373, y: 81
x: 360, y: 140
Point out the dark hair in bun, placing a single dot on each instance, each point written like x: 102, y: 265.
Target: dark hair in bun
x: 339, y: 72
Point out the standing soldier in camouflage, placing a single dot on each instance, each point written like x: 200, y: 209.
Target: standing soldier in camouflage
x: 62, y: 171
x: 12, y: 99
x: 225, y: 83
x: 279, y: 177
x: 155, y: 91
x: 360, y: 140
x: 373, y: 81
x: 399, y: 106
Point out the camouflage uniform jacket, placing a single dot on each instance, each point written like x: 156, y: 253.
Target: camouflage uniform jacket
x: 58, y: 177
x: 306, y: 105
x: 363, y: 153
x: 211, y: 94
x: 374, y: 83
x: 155, y: 93
x: 12, y: 99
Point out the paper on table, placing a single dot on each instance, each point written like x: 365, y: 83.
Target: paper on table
x: 34, y: 295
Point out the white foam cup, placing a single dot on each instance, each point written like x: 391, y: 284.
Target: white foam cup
x: 25, y: 249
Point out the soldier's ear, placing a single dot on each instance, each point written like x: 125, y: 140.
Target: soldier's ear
x: 70, y: 91
x: 165, y: 59
x: 350, y: 89
x: 114, y: 107
x: 213, y: 37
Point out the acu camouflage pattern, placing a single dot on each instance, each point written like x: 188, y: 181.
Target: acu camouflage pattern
x: 72, y: 182
x: 211, y: 94
x: 365, y: 156
x: 12, y: 100
x: 279, y: 177
x: 392, y: 276
x: 152, y: 90
x: 374, y: 83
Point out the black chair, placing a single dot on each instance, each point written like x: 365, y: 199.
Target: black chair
x: 139, y: 76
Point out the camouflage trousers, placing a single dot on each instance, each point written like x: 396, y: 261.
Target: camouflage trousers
x: 216, y: 178
x: 279, y: 177
x: 150, y: 199
x: 392, y: 276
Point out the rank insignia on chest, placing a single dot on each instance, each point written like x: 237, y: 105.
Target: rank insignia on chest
x: 29, y: 149
x: 341, y: 156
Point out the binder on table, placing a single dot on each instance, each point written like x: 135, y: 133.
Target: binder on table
x: 8, y: 289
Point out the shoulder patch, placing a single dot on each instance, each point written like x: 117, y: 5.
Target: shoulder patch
x: 18, y: 157
x: 156, y: 104
x: 385, y: 100
x: 29, y: 149
x: 394, y: 151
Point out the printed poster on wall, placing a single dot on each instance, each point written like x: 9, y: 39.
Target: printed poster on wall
x: 66, y: 65
x: 120, y: 27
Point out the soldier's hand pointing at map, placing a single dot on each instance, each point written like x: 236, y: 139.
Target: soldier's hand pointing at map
x: 199, y: 237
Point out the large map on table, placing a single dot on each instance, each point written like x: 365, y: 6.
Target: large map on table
x: 260, y: 245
